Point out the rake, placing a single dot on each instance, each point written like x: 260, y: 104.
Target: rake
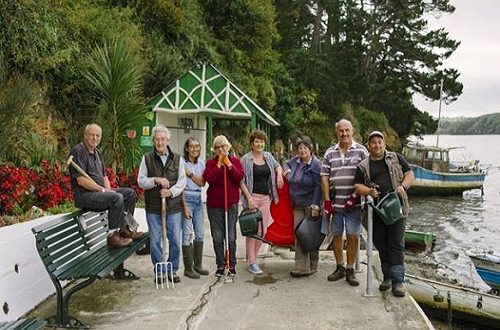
x: 228, y: 278
x: 164, y: 267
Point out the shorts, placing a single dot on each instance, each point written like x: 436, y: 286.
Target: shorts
x: 350, y: 221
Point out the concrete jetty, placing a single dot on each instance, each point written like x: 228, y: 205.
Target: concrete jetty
x: 273, y: 300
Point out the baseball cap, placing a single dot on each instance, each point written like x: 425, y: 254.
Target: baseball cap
x: 376, y: 133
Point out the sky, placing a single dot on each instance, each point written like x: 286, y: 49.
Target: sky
x: 476, y: 23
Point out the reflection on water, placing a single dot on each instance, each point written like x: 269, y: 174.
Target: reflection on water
x: 461, y: 223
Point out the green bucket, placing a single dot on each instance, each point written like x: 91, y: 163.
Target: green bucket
x: 249, y: 222
x: 389, y: 208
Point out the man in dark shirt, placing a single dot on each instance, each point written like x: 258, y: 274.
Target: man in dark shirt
x: 376, y: 175
x: 97, y: 194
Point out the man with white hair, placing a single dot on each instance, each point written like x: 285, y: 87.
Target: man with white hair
x: 337, y: 184
x: 97, y: 194
x: 162, y: 175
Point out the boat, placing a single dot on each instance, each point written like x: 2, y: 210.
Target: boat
x: 419, y: 241
x: 431, y: 168
x: 453, y: 302
x: 488, y: 268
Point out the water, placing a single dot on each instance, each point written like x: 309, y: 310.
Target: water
x: 462, y: 223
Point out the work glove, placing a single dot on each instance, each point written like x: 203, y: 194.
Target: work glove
x: 227, y: 162
x: 328, y: 207
x: 351, y: 202
x: 221, y: 160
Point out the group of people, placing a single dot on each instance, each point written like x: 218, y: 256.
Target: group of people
x: 331, y: 187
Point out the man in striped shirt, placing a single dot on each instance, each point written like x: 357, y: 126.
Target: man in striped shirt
x: 337, y: 179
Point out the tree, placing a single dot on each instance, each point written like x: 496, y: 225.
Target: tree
x: 116, y: 76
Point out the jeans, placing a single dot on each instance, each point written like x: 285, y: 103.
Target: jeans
x: 216, y: 217
x: 174, y: 223
x: 195, y: 225
x: 118, y: 202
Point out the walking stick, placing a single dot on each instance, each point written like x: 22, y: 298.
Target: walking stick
x: 160, y: 266
x: 228, y: 278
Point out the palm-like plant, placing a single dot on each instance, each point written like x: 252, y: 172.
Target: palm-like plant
x: 116, y: 76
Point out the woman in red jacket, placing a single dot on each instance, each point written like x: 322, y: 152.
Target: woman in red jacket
x: 222, y: 164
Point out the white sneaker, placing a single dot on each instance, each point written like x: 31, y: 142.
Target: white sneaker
x: 255, y: 269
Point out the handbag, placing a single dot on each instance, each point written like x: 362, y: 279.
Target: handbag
x: 250, y: 221
x: 309, y: 235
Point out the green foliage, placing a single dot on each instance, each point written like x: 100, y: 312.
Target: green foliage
x: 116, y: 77
x: 487, y: 124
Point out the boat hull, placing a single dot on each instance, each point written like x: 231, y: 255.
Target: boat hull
x: 430, y: 183
x: 488, y: 268
x: 419, y: 241
x: 466, y: 304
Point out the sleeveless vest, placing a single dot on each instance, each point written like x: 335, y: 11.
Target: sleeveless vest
x: 395, y: 172
x: 170, y: 171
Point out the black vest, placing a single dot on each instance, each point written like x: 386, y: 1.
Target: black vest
x: 171, y: 172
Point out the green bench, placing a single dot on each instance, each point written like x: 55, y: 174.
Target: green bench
x: 73, y: 247
x: 23, y: 324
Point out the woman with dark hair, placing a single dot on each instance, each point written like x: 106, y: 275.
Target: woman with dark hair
x: 263, y: 175
x: 303, y: 174
x: 193, y: 229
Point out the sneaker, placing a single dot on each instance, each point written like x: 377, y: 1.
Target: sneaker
x: 232, y: 271
x: 398, y: 290
x: 350, y: 277
x: 219, y: 272
x: 337, y: 274
x: 385, y: 285
x: 254, y: 269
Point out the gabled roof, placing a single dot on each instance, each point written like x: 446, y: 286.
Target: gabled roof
x: 205, y: 90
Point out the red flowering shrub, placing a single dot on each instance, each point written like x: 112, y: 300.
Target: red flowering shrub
x: 125, y: 179
x: 51, y: 186
x: 16, y: 190
x: 22, y: 188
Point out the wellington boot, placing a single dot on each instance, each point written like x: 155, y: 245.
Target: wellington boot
x: 198, y: 258
x: 187, y: 255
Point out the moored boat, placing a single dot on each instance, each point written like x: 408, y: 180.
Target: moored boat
x: 488, y: 268
x: 431, y: 167
x: 445, y: 300
x: 419, y: 241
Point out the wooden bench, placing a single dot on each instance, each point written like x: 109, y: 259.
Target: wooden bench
x: 23, y: 324
x: 73, y: 247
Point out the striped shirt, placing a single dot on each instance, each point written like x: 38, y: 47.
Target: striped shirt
x: 341, y: 168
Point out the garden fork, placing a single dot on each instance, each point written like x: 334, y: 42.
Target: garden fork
x: 165, y: 267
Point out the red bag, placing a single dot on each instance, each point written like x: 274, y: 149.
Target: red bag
x: 281, y: 231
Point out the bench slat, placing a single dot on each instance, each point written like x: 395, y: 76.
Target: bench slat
x: 23, y: 324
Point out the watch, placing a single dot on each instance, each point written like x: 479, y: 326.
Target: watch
x: 103, y: 189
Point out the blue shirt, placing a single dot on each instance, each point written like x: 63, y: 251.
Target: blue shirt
x: 197, y: 169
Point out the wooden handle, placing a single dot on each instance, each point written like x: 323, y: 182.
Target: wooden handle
x: 70, y: 162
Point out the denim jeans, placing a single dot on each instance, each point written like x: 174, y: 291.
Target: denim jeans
x: 194, y: 226
x: 216, y: 217
x: 174, y: 223
x: 118, y: 202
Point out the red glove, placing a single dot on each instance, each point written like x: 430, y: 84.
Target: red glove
x: 351, y: 202
x: 328, y: 207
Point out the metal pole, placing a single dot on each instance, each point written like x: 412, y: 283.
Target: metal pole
x: 370, y: 292
x: 439, y: 113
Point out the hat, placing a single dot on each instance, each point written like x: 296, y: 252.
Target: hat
x: 375, y: 133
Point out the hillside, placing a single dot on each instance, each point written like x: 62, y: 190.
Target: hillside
x: 487, y: 124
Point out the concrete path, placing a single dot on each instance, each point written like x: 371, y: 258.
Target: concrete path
x: 273, y: 300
